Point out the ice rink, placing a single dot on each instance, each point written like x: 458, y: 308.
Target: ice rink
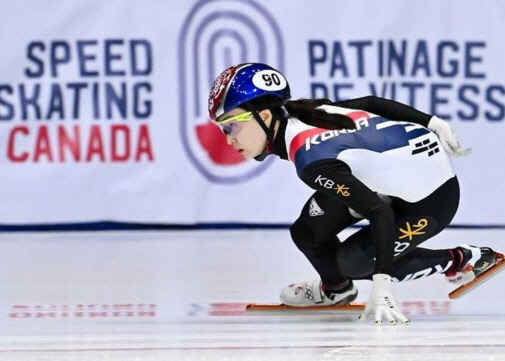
x: 181, y: 295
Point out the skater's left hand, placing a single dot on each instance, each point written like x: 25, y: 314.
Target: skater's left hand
x: 447, y: 137
x: 382, y: 302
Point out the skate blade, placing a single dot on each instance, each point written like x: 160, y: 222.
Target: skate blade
x: 483, y: 277
x: 282, y: 307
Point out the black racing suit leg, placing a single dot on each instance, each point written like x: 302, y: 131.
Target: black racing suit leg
x: 415, y: 222
x: 315, y: 234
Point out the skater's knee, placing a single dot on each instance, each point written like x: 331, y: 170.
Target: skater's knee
x: 305, y: 239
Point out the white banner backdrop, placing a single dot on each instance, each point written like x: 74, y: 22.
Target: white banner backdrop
x: 103, y: 104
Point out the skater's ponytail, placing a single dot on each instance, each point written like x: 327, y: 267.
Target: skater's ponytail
x: 307, y: 111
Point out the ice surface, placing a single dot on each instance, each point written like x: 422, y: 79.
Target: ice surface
x: 181, y: 296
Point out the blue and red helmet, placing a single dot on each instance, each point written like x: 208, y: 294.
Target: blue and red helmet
x: 242, y: 83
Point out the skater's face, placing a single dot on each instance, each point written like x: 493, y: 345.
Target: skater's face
x: 243, y: 132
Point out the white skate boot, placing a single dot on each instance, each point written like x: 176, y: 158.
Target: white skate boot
x: 311, y: 294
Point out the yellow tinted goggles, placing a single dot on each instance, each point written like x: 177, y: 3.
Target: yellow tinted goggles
x: 242, y: 117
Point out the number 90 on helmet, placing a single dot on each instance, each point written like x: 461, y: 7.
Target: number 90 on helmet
x: 242, y: 83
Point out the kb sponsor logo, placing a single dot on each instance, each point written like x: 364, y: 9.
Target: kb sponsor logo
x: 216, y: 35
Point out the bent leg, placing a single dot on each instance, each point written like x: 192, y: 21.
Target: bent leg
x: 314, y: 233
x: 415, y: 222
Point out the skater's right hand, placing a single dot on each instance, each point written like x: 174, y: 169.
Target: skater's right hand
x: 382, y: 302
